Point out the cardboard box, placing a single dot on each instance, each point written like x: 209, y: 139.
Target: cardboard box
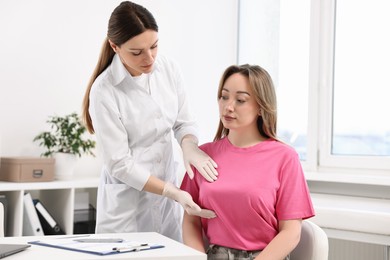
x: 26, y: 169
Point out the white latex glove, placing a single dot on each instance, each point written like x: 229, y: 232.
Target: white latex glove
x: 185, y: 199
x: 192, y: 155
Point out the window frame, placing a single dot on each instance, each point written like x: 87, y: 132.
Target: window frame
x: 322, y: 44
x: 319, y: 158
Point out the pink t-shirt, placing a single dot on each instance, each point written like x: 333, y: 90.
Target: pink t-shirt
x: 256, y: 187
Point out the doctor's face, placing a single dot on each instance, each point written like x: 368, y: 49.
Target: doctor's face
x: 138, y: 54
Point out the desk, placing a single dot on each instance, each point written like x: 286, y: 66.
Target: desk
x: 172, y: 250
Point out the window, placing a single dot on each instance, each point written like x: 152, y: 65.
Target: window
x: 355, y: 111
x: 329, y: 61
x: 361, y: 119
x: 276, y: 36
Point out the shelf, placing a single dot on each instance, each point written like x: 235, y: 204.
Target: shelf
x: 78, y: 182
x: 58, y: 197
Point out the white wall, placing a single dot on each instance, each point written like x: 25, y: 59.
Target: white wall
x: 48, y: 50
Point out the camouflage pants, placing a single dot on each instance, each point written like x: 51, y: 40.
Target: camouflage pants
x: 215, y: 252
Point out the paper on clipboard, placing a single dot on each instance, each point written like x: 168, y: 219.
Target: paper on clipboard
x: 94, y: 248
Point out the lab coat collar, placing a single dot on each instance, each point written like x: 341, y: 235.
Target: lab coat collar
x: 119, y: 72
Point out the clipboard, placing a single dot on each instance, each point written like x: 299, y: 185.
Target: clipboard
x: 97, y: 248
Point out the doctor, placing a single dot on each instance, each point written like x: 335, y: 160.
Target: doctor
x: 133, y: 102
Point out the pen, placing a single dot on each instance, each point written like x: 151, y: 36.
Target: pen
x: 124, y: 249
x: 76, y: 236
x: 99, y: 240
x: 131, y: 248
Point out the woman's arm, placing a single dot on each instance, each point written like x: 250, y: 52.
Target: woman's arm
x: 192, y: 232
x: 284, y: 242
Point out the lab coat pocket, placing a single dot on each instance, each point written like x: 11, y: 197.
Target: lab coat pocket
x: 120, y: 204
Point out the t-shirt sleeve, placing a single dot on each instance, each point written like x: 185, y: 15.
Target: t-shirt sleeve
x: 294, y: 201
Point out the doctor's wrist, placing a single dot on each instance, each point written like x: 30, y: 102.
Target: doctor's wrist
x: 170, y: 191
x: 189, y: 140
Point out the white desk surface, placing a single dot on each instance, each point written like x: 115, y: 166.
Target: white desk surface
x: 172, y: 250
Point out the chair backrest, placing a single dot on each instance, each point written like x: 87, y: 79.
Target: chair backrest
x: 313, y: 244
x: 1, y: 220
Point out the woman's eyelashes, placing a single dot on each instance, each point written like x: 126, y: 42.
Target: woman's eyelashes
x: 238, y: 100
x: 137, y: 53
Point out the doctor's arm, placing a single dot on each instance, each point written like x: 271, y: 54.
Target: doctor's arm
x: 167, y: 189
x: 192, y: 155
x: 185, y: 130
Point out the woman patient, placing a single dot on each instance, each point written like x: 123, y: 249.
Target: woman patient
x: 261, y: 195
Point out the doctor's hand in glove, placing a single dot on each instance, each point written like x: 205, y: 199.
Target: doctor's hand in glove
x: 185, y: 199
x: 192, y: 155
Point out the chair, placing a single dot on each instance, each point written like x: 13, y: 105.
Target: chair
x: 1, y: 220
x: 313, y: 244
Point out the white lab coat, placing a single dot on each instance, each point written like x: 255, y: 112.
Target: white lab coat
x: 134, y: 133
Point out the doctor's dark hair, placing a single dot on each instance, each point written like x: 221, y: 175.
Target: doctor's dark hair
x: 261, y: 83
x: 126, y: 21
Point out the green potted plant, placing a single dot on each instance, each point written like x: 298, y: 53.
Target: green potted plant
x: 65, y: 142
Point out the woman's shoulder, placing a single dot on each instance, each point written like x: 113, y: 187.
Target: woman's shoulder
x: 102, y: 83
x: 210, y: 146
x: 103, y: 88
x: 282, y: 148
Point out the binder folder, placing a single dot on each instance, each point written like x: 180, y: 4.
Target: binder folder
x: 31, y: 224
x: 49, y: 225
x: 4, y: 201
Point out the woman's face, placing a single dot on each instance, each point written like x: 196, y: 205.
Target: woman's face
x: 238, y: 108
x: 138, y: 54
